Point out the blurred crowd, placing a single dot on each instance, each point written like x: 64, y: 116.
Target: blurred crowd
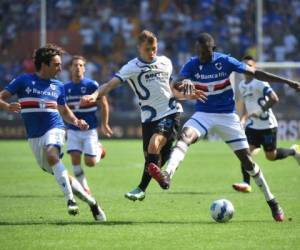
x: 108, y: 28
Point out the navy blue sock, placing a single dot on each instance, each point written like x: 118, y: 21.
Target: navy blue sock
x: 146, y: 178
x: 283, y: 153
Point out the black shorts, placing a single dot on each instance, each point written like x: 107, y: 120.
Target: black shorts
x: 167, y: 126
x: 265, y: 137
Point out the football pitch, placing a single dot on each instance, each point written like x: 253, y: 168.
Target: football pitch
x: 33, y: 212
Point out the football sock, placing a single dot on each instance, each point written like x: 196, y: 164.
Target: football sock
x: 176, y: 157
x: 146, y: 178
x: 282, y: 153
x: 261, y: 182
x: 79, y: 174
x: 61, y: 176
x: 246, y: 176
x: 80, y: 192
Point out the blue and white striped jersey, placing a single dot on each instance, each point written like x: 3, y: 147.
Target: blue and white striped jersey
x: 74, y: 91
x: 213, y: 78
x: 39, y: 99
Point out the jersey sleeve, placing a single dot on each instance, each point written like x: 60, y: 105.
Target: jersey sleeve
x: 94, y: 86
x: 186, y: 70
x: 265, y: 88
x: 61, y: 100
x: 124, y: 73
x: 237, y: 65
x: 15, y: 85
x: 240, y: 89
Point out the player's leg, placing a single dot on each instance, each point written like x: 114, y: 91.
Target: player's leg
x: 80, y: 192
x: 153, y: 140
x: 75, y: 148
x: 253, y: 169
x: 161, y: 143
x: 192, y: 130
x: 156, y: 138
x: 254, y: 138
x: 138, y: 193
x: 47, y: 152
x: 229, y: 129
x: 244, y: 186
x: 196, y: 127
x: 93, y: 150
x: 273, y: 153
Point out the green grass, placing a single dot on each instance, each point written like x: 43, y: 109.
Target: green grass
x: 33, y: 210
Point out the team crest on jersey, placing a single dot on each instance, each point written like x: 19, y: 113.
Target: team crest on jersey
x: 210, y: 88
x: 197, y: 76
x: 28, y: 90
x: 52, y: 86
x: 83, y: 90
x: 69, y: 90
x: 33, y: 83
x: 218, y: 65
x: 200, y: 67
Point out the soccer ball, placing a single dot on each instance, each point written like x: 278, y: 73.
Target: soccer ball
x: 221, y: 210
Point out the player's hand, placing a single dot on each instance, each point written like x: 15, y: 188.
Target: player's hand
x: 81, y: 124
x: 255, y: 115
x: 87, y: 99
x: 14, y: 107
x: 106, y: 130
x: 295, y: 85
x: 199, y: 95
x: 188, y: 87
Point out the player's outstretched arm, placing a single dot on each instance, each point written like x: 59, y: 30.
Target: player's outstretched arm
x: 105, y: 128
x: 103, y: 90
x: 69, y: 117
x: 268, y: 77
x: 11, y: 107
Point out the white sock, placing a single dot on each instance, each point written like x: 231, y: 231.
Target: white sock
x: 176, y: 157
x: 80, y: 192
x: 260, y: 181
x: 61, y: 176
x: 79, y: 174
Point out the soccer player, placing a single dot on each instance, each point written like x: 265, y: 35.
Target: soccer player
x: 260, y: 122
x: 78, y: 141
x: 210, y: 71
x: 149, y: 77
x: 41, y: 101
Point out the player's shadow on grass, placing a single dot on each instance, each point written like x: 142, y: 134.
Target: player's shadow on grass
x: 63, y: 223
x: 120, y: 223
x: 13, y: 196
x: 188, y: 193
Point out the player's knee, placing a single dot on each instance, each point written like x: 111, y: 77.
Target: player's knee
x: 188, y: 135
x: 154, y: 149
x: 156, y: 143
x: 271, y: 156
x: 52, y: 159
x: 90, y: 162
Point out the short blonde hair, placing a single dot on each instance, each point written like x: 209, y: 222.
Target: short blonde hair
x: 146, y: 36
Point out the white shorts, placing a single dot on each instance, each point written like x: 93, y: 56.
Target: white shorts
x: 84, y: 142
x: 54, y: 137
x: 227, y: 126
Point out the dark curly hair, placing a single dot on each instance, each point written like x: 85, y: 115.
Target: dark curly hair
x: 45, y: 54
x: 205, y: 38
